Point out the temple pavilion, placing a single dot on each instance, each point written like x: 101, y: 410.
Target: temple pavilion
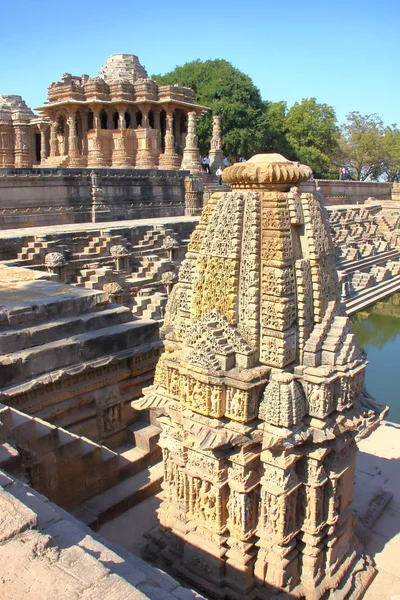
x: 121, y: 118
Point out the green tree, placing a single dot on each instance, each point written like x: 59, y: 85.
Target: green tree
x: 229, y: 93
x: 313, y: 134
x: 362, y: 145
x: 274, y: 130
x: 391, y: 147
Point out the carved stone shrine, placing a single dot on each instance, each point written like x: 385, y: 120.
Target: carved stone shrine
x: 260, y: 395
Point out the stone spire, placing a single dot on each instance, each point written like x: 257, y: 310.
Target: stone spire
x: 261, y: 392
x: 122, y: 67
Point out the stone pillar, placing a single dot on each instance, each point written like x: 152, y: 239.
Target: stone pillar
x: 44, y: 129
x: 96, y: 118
x: 23, y: 144
x: 100, y: 209
x: 95, y: 156
x: 121, y: 118
x: 53, y: 139
x: 157, y: 126
x: 191, y: 154
x: 261, y: 392
x: 85, y: 129
x: 145, y: 117
x: 193, y: 195
x: 216, y: 155
x: 6, y: 141
x: 170, y: 159
x: 73, y: 150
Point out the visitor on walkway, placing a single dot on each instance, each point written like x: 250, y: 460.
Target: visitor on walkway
x: 225, y: 162
x: 207, y: 164
x: 219, y: 175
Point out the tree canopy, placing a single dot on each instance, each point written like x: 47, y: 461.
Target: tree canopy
x: 308, y: 131
x: 229, y: 93
x: 313, y: 133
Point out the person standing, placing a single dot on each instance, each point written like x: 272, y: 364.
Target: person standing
x: 218, y: 173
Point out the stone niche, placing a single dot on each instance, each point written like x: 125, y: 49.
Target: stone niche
x: 260, y: 396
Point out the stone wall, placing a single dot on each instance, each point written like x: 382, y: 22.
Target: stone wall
x: 43, y: 197
x: 348, y: 192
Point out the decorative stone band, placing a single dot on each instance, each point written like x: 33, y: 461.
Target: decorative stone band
x: 266, y: 170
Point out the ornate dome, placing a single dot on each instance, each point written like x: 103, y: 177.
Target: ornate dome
x: 122, y: 67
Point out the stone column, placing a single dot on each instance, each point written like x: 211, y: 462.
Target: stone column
x: 23, y: 145
x: 145, y: 117
x: 53, y: 139
x: 6, y: 141
x: 216, y: 155
x: 84, y: 136
x: 44, y: 128
x: 121, y: 118
x: 96, y: 118
x: 73, y: 150
x: 191, y: 154
x: 170, y: 159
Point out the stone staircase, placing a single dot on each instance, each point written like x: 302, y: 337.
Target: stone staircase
x: 59, y: 326
x: 99, y: 245
x: 34, y: 251
x: 95, y: 278
x: 151, y: 306
x: 55, y: 162
x: 211, y: 186
x: 140, y: 476
x: 72, y: 469
x: 151, y: 268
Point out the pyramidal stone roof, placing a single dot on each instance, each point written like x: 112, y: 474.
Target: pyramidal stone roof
x: 122, y: 67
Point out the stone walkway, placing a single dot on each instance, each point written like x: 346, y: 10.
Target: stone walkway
x: 378, y: 466
x: 77, y: 227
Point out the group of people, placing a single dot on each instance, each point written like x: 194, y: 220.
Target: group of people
x: 206, y: 166
x: 344, y: 173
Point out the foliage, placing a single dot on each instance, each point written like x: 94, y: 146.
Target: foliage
x: 229, y: 93
x: 313, y: 133
x: 391, y: 149
x: 362, y: 145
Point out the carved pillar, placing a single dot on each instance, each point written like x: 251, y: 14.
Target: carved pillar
x: 191, y: 154
x: 23, y: 141
x: 44, y: 130
x: 73, y: 150
x: 216, y: 155
x: 96, y: 118
x: 85, y: 129
x: 145, y: 117
x: 170, y: 159
x: 53, y: 139
x: 121, y: 118
x: 6, y: 141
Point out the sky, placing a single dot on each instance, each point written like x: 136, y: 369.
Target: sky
x: 343, y: 53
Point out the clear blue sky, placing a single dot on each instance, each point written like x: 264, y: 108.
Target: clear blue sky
x: 345, y: 53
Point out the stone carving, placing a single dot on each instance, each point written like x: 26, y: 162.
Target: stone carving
x: 261, y: 393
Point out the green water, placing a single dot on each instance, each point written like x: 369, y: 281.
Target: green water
x: 378, y: 331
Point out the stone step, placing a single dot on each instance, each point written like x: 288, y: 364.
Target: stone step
x: 144, y: 436
x: 121, y: 497
x: 132, y: 460
x: 21, y: 366
x: 47, y: 300
x: 15, y: 340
